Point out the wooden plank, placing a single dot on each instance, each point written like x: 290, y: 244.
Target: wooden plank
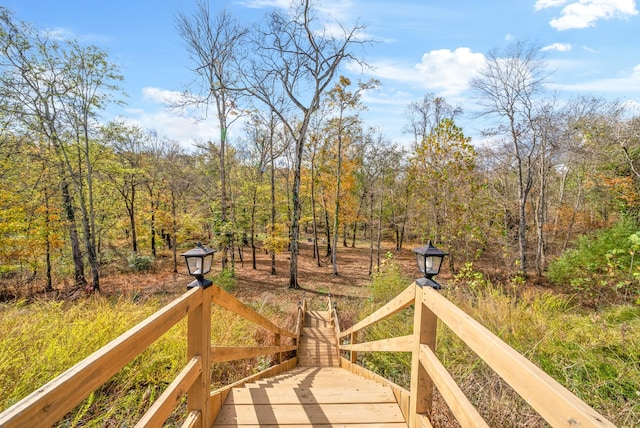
x: 49, y: 403
x: 458, y: 403
x: 398, y: 303
x: 309, y: 414
x: 340, y: 425
x: 318, y: 331
x: 401, y: 395
x: 423, y: 421
x: 199, y: 345
x: 424, y: 331
x: 317, y: 319
x: 313, y: 395
x: 230, y: 353
x: 394, y: 344
x: 227, y: 301
x: 193, y: 419
x: 171, y: 397
x: 271, y: 371
x: 555, y: 403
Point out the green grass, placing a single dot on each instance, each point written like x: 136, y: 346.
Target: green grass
x: 42, y: 339
x: 595, y: 354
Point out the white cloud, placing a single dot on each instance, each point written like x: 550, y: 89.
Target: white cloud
x: 585, y: 13
x: 391, y: 71
x: 560, y: 47
x: 619, y: 84
x: 449, y: 71
x: 632, y: 108
x: 184, y: 126
x: 443, y: 71
x: 259, y: 4
x: 544, y: 4
x: 162, y: 96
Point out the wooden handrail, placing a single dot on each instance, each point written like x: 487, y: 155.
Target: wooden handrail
x: 398, y: 303
x: 49, y: 403
x: 231, y: 353
x: 556, y: 404
x: 227, y: 301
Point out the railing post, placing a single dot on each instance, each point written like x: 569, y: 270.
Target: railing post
x: 199, y: 343
x: 424, y: 333
x: 278, y: 342
x: 354, y: 339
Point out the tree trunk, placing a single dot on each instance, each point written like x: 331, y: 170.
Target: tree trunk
x: 379, y: 233
x: 78, y: 264
x: 316, y: 251
x: 370, y: 233
x: 252, y: 240
x: 295, y: 218
x: 327, y: 228
x: 132, y: 223
x: 273, y: 208
x: 153, y: 228
x: 541, y: 219
x: 47, y: 229
x: 223, y: 192
x: 174, y: 231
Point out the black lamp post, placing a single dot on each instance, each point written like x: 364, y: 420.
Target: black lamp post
x: 429, y: 262
x: 199, y: 260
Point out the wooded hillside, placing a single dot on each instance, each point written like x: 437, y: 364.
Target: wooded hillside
x: 79, y: 195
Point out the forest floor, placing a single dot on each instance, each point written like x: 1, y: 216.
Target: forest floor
x: 259, y: 285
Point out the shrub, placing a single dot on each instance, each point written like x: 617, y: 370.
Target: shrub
x: 139, y: 263
x: 602, y: 265
x: 226, y: 279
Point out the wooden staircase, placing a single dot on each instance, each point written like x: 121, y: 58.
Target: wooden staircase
x: 316, y: 394
x: 312, y: 397
x: 317, y: 347
x: 322, y: 395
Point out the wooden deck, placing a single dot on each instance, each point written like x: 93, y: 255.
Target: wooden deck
x: 316, y: 394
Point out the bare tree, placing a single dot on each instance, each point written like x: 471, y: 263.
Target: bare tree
x: 424, y: 115
x: 214, y: 43
x: 293, y: 61
x: 508, y: 85
x: 343, y: 127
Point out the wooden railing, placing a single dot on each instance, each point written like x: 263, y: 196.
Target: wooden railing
x: 51, y: 402
x: 556, y: 404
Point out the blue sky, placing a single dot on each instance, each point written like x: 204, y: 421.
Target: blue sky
x: 591, y: 46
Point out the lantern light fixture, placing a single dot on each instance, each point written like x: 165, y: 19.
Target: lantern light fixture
x: 199, y: 260
x: 429, y: 260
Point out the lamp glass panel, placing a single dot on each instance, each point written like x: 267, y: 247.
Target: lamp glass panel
x: 421, y: 262
x: 208, y: 260
x: 195, y: 265
x: 432, y: 264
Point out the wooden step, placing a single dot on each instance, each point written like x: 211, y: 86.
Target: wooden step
x: 312, y: 397
x: 313, y: 414
x: 326, y: 394
x: 317, y: 319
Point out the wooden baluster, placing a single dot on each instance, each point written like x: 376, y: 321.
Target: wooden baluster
x: 199, y: 343
x: 424, y: 332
